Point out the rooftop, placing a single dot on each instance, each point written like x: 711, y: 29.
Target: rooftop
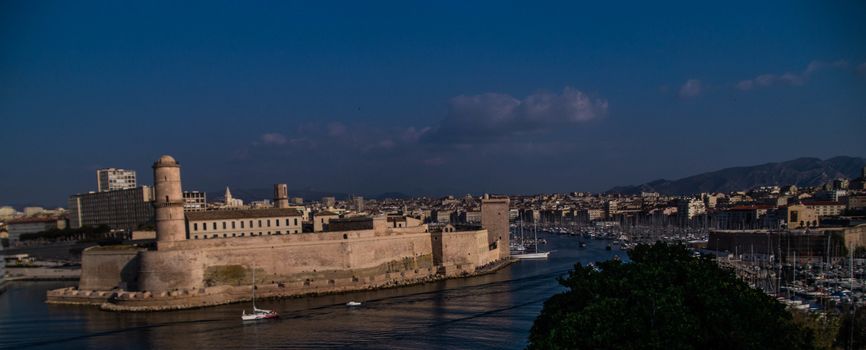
x: 242, y: 214
x: 34, y: 219
x: 822, y: 203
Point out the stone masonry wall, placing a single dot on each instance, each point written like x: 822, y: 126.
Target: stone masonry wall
x: 357, y: 255
x: 354, y: 257
x: 106, y: 268
x: 464, y: 251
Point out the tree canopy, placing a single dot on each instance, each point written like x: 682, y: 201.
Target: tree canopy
x: 85, y: 233
x: 663, y: 299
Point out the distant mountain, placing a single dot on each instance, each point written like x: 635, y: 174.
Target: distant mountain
x: 800, y: 172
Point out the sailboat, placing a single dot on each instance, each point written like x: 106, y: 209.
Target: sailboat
x: 517, y: 247
x: 537, y: 254
x: 258, y: 314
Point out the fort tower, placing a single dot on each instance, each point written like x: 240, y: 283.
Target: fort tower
x: 168, y: 200
x: 281, y: 196
x: 494, y: 218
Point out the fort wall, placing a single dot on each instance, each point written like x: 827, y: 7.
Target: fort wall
x: 212, y: 272
x: 109, y: 268
x: 329, y: 256
x: 463, y: 251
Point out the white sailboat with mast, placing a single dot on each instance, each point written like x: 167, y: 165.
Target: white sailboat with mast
x: 537, y: 254
x: 257, y: 314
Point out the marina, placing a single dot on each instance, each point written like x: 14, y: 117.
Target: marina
x: 805, y: 284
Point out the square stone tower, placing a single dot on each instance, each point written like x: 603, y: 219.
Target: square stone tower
x: 494, y: 218
x: 281, y: 196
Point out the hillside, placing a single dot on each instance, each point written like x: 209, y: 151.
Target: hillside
x: 800, y: 172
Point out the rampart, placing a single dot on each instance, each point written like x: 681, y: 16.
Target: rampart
x: 105, y: 268
x: 195, y: 273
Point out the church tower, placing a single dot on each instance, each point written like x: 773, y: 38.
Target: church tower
x: 168, y: 200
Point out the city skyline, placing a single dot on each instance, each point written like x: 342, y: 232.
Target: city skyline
x: 503, y: 100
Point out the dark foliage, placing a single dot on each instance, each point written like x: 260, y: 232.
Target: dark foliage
x: 852, y: 332
x: 83, y: 234
x: 663, y: 299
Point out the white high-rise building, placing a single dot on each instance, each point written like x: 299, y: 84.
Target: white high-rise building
x: 194, y: 201
x: 110, y: 179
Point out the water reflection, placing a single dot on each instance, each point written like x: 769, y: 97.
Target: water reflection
x: 493, y: 311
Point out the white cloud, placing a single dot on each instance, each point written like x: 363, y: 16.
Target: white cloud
x: 274, y: 139
x: 691, y: 88
x: 494, y: 115
x: 790, y: 78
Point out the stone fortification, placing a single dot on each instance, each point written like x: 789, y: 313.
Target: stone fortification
x: 355, y: 253
x: 189, y: 274
x: 106, y: 268
x: 284, y: 258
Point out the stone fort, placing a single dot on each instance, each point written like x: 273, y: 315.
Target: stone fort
x: 197, y: 262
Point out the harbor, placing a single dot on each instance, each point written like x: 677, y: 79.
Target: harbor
x: 491, y: 311
x: 822, y: 282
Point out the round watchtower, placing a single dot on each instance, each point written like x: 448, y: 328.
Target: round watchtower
x: 168, y: 201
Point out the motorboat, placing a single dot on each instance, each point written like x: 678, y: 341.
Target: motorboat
x: 353, y: 303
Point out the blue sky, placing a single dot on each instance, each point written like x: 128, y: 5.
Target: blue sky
x: 423, y: 98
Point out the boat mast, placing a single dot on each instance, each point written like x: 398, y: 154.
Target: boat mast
x: 254, y: 287
x: 521, y: 234
x: 536, y: 238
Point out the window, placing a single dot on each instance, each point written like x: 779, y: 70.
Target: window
x: 287, y: 222
x: 277, y: 222
x: 251, y: 224
x: 296, y: 221
x: 224, y: 225
x: 214, y: 226
x: 242, y: 224
x: 233, y: 225
x: 269, y: 222
x: 260, y: 223
x: 195, y: 227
